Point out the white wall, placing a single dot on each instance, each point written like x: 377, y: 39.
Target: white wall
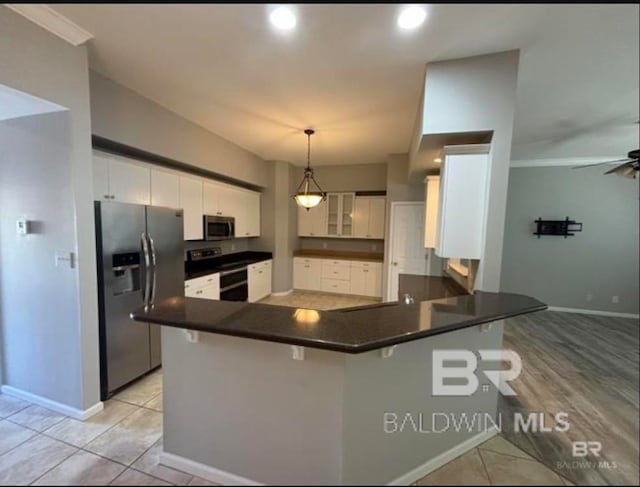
x: 47, y: 174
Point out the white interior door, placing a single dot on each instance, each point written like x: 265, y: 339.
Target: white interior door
x: 407, y: 254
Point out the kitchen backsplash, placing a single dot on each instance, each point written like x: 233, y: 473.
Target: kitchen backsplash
x: 227, y: 246
x: 354, y: 245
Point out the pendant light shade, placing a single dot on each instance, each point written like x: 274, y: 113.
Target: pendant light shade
x: 306, y: 195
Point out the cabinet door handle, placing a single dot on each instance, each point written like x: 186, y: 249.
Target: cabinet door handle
x: 106, y: 196
x: 113, y: 197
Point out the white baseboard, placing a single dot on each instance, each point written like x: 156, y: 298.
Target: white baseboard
x: 282, y: 293
x: 81, y: 414
x: 203, y: 471
x: 226, y: 478
x: 593, y: 312
x: 444, y: 458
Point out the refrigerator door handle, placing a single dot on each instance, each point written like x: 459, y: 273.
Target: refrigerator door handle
x: 147, y: 265
x: 153, y: 265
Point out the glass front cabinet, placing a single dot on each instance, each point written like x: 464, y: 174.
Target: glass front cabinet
x: 340, y: 214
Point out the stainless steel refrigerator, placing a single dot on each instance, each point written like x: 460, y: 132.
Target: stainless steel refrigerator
x: 140, y: 252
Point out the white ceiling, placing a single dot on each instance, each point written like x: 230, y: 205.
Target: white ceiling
x: 351, y: 74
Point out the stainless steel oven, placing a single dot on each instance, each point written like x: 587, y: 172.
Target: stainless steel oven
x: 219, y: 227
x: 234, y: 285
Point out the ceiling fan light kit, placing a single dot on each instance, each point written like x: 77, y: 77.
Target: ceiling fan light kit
x: 306, y: 196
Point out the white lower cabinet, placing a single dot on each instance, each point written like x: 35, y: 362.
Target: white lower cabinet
x: 206, y: 287
x: 338, y: 276
x: 259, y: 280
x: 366, y: 278
x: 307, y: 274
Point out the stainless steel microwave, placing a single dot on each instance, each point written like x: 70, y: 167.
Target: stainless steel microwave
x: 219, y: 227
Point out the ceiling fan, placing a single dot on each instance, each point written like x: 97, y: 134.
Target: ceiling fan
x: 627, y: 167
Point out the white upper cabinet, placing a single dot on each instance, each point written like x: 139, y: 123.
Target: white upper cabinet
x: 165, y: 189
x: 340, y: 207
x: 431, y: 205
x: 129, y: 183
x: 463, y: 202
x: 211, y: 199
x: 242, y: 204
x: 116, y: 179
x: 120, y: 181
x: 191, y: 203
x: 313, y: 222
x: 369, y: 217
x: 248, y: 214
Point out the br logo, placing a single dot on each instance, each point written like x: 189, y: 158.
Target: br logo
x: 466, y: 373
x: 583, y: 448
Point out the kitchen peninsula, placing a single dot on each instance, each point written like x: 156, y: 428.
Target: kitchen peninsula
x: 276, y: 395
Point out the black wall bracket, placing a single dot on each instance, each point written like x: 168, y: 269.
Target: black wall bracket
x: 564, y: 228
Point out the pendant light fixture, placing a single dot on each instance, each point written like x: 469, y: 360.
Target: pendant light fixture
x: 305, y: 196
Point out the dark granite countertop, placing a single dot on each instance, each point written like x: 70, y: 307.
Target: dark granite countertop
x: 339, y: 254
x: 224, y: 262
x: 351, y: 331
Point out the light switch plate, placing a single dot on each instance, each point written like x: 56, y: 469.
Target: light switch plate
x: 65, y: 259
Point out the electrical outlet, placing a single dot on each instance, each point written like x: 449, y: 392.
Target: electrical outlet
x: 233, y: 247
x: 589, y: 297
x: 324, y: 245
x: 615, y: 299
x: 374, y: 247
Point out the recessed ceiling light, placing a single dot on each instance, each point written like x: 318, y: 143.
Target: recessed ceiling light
x: 283, y: 18
x: 438, y: 160
x: 411, y: 17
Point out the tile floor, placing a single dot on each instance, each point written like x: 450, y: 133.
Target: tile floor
x: 318, y: 300
x: 119, y: 446
x: 122, y: 444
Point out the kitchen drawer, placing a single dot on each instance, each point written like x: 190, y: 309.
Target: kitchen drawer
x: 339, y: 272
x: 201, y: 281
x: 335, y: 286
x: 366, y: 264
x: 337, y: 262
x: 306, y: 260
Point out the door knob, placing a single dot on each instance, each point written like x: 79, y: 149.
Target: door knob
x: 395, y: 263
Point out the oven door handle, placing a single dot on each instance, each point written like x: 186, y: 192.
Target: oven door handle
x: 233, y: 271
x: 233, y: 286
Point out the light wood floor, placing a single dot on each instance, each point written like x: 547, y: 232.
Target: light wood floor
x: 586, y: 366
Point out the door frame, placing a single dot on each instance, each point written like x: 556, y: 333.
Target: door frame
x: 394, y: 206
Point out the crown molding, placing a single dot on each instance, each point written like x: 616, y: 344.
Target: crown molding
x: 565, y: 161
x: 49, y: 19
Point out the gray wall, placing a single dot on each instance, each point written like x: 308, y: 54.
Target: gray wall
x: 353, y: 177
x: 50, y: 343
x: 340, y: 244
x: 470, y: 95
x: 120, y: 114
x: 602, y: 260
x: 399, y: 188
x: 278, y: 227
x: 321, y: 420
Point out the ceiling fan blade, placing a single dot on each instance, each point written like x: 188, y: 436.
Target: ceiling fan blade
x: 617, y: 161
x: 627, y: 169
